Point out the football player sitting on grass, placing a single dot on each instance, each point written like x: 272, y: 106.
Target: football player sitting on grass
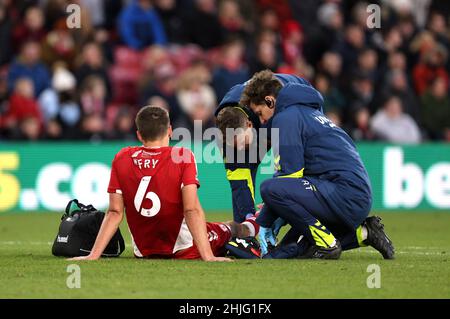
x: 156, y: 185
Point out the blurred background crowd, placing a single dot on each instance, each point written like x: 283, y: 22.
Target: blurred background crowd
x: 389, y: 83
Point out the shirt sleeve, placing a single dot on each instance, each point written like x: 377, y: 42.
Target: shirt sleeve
x: 289, y: 156
x: 114, y: 184
x: 190, y: 174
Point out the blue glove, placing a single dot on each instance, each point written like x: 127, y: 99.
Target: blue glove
x: 277, y: 224
x: 266, y: 235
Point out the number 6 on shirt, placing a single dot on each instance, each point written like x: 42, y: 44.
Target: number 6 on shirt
x: 139, y: 198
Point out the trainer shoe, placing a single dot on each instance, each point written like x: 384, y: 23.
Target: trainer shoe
x: 243, y: 248
x: 377, y: 238
x: 318, y: 252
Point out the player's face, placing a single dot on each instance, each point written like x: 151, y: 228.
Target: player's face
x: 262, y: 111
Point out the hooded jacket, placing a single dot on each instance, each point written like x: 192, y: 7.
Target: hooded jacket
x: 311, y: 146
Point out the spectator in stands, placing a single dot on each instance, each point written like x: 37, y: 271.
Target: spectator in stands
x: 407, y: 27
x: 333, y: 99
x: 435, y: 110
x: 431, y: 66
x: 396, y: 61
x: 92, y: 127
x: 123, y: 128
x: 59, y: 44
x: 232, y: 69
x: 140, y: 25
x: 367, y: 63
x: 202, y: 26
x: 164, y: 85
x: 438, y: 27
x: 197, y: 99
x: 396, y: 83
x: 328, y: 34
x: 390, y: 40
x: 269, y: 20
x: 93, y: 96
x: 58, y: 104
x: 299, y: 67
x: 361, y: 90
x: 231, y: 19
x: 31, y: 28
x: 93, y: 63
x: 360, y: 126
x: 392, y: 125
x: 172, y: 17
x: 54, y: 11
x: 266, y: 57
x: 29, y: 128
x: 292, y: 42
x: 49, y: 100
x: 6, y: 27
x: 331, y: 65
x: 22, y: 106
x: 353, y: 44
x: 29, y: 64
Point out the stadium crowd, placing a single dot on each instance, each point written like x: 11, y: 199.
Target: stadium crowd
x: 389, y: 83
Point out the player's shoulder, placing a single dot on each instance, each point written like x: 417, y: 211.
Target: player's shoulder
x: 182, y: 155
x: 128, y: 151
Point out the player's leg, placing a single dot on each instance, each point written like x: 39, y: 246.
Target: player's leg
x: 243, y: 243
x: 298, y: 202
x: 248, y: 228
x: 218, y: 235
x: 370, y: 232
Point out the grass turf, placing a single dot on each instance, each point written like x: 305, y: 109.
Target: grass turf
x: 421, y: 269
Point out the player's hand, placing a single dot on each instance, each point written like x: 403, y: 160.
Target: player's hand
x: 81, y: 258
x: 259, y: 207
x: 279, y: 222
x: 266, y: 236
x: 220, y: 259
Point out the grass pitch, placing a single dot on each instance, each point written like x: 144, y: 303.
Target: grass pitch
x: 421, y: 269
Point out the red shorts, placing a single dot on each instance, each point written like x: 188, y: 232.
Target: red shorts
x: 218, y: 234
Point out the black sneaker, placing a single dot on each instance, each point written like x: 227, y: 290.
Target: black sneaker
x: 377, y: 238
x: 243, y: 248
x: 317, y: 252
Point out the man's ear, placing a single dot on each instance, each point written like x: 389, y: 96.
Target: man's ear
x: 269, y: 101
x: 170, y: 131
x: 249, y: 124
x: 139, y: 137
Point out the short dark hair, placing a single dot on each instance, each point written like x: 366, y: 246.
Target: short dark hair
x: 262, y: 84
x: 152, y: 122
x: 231, y: 117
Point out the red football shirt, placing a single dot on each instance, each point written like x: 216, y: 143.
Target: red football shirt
x: 150, y: 181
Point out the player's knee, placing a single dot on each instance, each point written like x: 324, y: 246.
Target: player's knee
x: 268, y: 190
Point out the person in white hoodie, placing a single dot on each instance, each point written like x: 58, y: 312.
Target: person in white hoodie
x: 392, y: 125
